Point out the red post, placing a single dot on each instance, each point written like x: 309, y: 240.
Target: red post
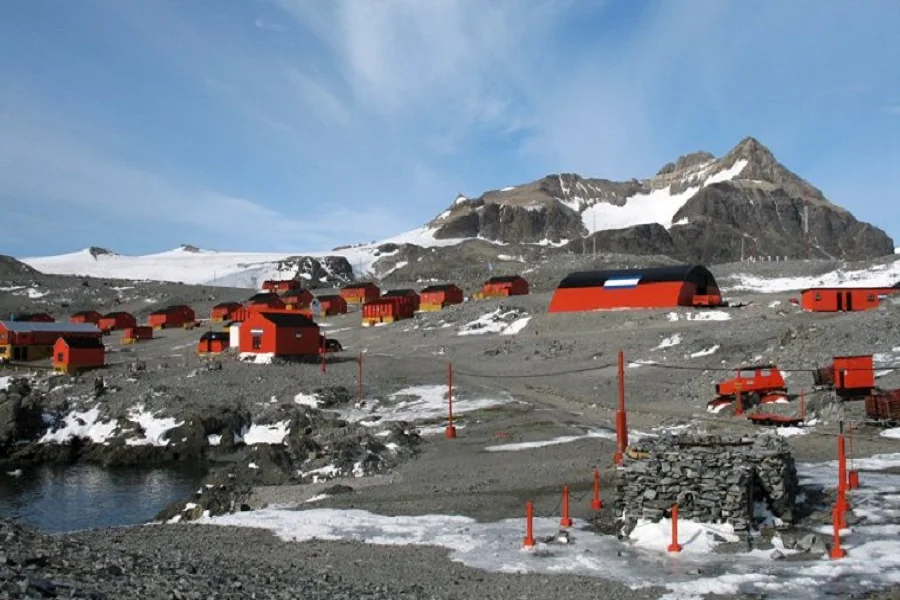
x: 324, y: 346
x: 450, y: 431
x: 802, y: 406
x: 360, y: 377
x: 852, y: 474
x: 565, y: 521
x: 739, y: 410
x: 836, y: 526
x: 529, y: 525
x: 842, y: 460
x: 596, y: 502
x: 674, y: 546
x: 621, y: 420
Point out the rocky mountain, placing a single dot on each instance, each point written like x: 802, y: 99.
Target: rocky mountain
x: 11, y: 268
x: 698, y: 208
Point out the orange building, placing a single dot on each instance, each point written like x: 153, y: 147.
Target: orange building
x: 332, y: 304
x: 407, y: 293
x: 264, y: 301
x: 278, y: 286
x: 170, y: 317
x: 360, y: 293
x: 73, y: 354
x: 661, y: 287
x: 387, y: 310
x: 225, y: 311
x: 502, y: 286
x: 25, y: 340
x: 213, y: 342
x: 436, y: 297
x: 843, y: 299
x: 86, y: 316
x: 279, y: 333
x: 116, y: 320
x: 297, y: 299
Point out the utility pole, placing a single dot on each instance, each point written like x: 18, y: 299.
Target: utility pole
x: 594, y: 235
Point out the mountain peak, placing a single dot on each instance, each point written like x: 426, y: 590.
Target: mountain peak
x: 753, y: 151
x: 96, y: 251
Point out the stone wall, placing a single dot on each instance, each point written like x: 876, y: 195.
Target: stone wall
x: 712, y: 478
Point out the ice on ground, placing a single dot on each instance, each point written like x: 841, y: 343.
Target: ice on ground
x: 84, y: 425
x: 774, y: 303
x: 669, y: 342
x: 791, y: 431
x: 883, y: 275
x: 437, y: 429
x: 893, y: 433
x: 872, y: 562
x: 639, y: 363
x: 154, y: 428
x: 4, y: 383
x: 694, y: 537
x: 514, y: 447
x: 262, y: 358
x: 504, y: 322
x: 263, y: 434
x: 420, y: 403
x: 317, y: 498
x: 705, y: 352
x: 307, y: 400
x: 34, y: 294
x: 700, y: 315
x: 214, y: 439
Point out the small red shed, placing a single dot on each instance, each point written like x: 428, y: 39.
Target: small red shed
x: 213, y: 342
x: 436, y: 297
x: 280, y: 334
x: 72, y: 354
x: 504, y: 285
x: 225, y: 311
x: 387, y: 310
x: 177, y: 315
x: 265, y: 301
x: 40, y: 317
x: 278, y: 286
x: 116, y: 320
x: 360, y: 293
x: 406, y: 293
x: 297, y: 299
x: 86, y: 316
x: 332, y: 304
x: 843, y: 299
x: 134, y: 334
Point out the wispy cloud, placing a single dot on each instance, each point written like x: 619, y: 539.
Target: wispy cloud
x: 262, y: 23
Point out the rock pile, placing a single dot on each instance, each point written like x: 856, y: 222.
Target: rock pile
x: 713, y: 479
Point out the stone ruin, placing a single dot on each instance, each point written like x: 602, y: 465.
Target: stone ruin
x: 713, y: 479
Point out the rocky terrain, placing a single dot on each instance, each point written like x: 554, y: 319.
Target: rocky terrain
x: 289, y: 436
x: 698, y: 208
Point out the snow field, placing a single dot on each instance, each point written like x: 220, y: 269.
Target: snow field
x: 885, y: 275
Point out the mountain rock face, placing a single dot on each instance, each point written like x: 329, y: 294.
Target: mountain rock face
x: 12, y: 268
x: 326, y: 271
x: 697, y: 208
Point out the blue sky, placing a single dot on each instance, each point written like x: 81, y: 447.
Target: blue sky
x: 305, y: 124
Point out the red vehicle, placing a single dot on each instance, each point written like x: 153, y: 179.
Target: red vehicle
x: 756, y: 385
x: 848, y: 376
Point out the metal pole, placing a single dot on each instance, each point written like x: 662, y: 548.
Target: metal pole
x: 621, y: 421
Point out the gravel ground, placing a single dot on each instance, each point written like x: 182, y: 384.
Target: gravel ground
x: 559, y: 371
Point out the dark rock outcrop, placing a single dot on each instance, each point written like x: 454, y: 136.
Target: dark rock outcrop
x: 326, y: 271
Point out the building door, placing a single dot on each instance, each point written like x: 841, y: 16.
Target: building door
x: 840, y: 301
x: 849, y: 301
x: 257, y: 342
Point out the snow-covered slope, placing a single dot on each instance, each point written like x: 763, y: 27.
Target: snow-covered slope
x: 225, y: 268
x: 884, y: 275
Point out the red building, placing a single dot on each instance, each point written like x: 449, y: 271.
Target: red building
x: 264, y: 301
x: 133, y: 334
x: 436, y: 297
x: 280, y: 334
x: 40, y: 317
x: 73, y: 354
x: 411, y: 294
x: 213, y: 342
x: 281, y: 285
x: 116, y: 320
x: 387, y: 310
x: 661, y: 287
x: 502, y: 286
x: 225, y: 311
x: 297, y: 299
x: 332, y: 304
x: 360, y: 293
x: 843, y: 299
x: 26, y: 340
x: 174, y: 316
x: 86, y: 316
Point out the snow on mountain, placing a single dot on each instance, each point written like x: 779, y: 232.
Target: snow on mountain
x: 658, y: 206
x: 225, y: 268
x: 885, y: 275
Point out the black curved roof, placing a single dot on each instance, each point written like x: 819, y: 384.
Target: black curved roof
x: 697, y: 274
x: 263, y: 297
x: 289, y: 319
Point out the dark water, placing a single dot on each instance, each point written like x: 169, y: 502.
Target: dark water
x: 58, y: 499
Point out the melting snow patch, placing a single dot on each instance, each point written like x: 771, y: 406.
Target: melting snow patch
x: 669, y: 342
x: 419, y: 403
x: 214, y: 439
x: 504, y: 322
x: 706, y: 352
x: 791, y: 431
x: 263, y: 358
x: 891, y: 433
x: 263, y: 434
x: 316, y: 498
x: 638, y: 363
x: 594, y: 433
x: 307, y: 400
x: 86, y: 425
x: 155, y: 428
x: 4, y: 383
x: 694, y: 537
x: 884, y: 275
x: 34, y: 294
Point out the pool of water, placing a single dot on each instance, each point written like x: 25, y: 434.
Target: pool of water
x: 57, y: 499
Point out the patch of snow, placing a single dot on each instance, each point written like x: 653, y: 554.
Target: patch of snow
x: 893, y: 433
x: 12, y: 288
x: 253, y: 465
x: 15, y: 473
x: 682, y: 221
x: 638, y: 363
x: 496, y: 321
x: 706, y: 352
x: 263, y: 434
x: 214, y: 439
x: 307, y: 400
x: 791, y: 431
x: 419, y: 403
x: 316, y: 498
x: 85, y: 425
x: 774, y: 303
x: 262, y: 358
x: 716, y: 408
x: 695, y: 538
x: 155, y: 428
x: 669, y: 342
x: 34, y: 294
x: 4, y: 383
x: 514, y: 447
x: 700, y: 315
x: 549, y: 242
x: 884, y: 275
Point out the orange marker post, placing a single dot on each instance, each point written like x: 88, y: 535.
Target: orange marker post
x: 621, y: 420
x: 450, y: 431
x: 836, y: 526
x: 324, y: 346
x: 802, y: 406
x: 529, y: 525
x: 674, y: 546
x: 739, y: 410
x: 360, y: 376
x: 852, y: 474
x: 596, y: 502
x: 565, y: 521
